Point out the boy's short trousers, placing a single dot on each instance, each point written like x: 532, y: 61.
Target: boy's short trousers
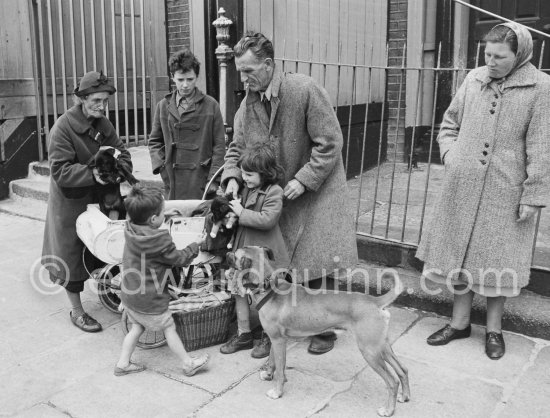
x: 151, y: 322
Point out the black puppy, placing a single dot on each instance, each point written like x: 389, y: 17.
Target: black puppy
x: 112, y: 172
x: 220, y: 223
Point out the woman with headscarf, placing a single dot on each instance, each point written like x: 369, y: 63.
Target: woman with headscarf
x: 495, y: 144
x: 74, y: 140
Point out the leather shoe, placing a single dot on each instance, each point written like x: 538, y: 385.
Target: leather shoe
x: 446, y: 334
x: 263, y: 347
x: 86, y: 323
x: 494, y: 345
x: 237, y: 343
x: 322, y: 343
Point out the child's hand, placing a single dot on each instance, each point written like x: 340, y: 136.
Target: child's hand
x: 202, y: 239
x: 236, y: 206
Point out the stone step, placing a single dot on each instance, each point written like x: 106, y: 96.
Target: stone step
x: 41, y: 168
x: 35, y: 187
x: 27, y: 207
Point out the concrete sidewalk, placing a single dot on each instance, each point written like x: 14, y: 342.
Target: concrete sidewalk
x: 52, y: 369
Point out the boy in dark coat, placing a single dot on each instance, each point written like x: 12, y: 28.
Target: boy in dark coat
x: 187, y: 141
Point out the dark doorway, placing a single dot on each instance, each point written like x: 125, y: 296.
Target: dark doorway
x: 532, y: 13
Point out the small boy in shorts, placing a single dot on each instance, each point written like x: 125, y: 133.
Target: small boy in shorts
x: 148, y: 258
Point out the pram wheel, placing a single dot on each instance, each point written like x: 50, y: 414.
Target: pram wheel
x: 147, y: 340
x: 108, y: 287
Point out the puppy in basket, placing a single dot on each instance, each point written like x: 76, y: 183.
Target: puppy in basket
x: 111, y: 172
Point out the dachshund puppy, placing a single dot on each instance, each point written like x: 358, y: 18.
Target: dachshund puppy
x: 220, y: 223
x: 222, y: 216
x: 111, y: 172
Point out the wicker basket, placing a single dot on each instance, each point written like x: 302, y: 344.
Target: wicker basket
x: 205, y: 327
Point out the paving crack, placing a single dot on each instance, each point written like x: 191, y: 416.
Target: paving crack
x: 511, y: 387
x: 180, y: 380
x: 223, y: 392
x: 54, y: 406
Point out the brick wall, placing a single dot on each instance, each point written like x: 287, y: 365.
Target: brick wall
x: 397, y: 36
x: 177, y: 17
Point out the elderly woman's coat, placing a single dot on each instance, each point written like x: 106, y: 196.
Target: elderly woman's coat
x: 306, y: 137
x: 73, y: 143
x: 495, y: 141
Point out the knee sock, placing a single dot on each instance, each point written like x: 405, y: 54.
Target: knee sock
x: 243, y: 314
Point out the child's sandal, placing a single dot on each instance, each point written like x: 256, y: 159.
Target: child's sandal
x: 131, y: 368
x: 201, y: 363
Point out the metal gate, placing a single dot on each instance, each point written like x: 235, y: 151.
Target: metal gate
x: 126, y: 39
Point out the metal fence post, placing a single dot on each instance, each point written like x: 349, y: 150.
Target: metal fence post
x: 224, y: 53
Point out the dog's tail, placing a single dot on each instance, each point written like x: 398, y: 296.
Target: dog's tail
x: 388, y: 298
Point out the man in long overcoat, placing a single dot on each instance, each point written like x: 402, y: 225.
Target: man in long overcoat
x: 292, y: 114
x: 187, y: 140
x: 74, y: 140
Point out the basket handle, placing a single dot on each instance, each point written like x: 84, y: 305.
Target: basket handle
x: 216, y: 174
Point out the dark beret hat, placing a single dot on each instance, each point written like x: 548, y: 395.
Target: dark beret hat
x: 93, y: 82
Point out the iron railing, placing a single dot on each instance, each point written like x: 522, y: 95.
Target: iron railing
x: 106, y: 35
x: 394, y: 196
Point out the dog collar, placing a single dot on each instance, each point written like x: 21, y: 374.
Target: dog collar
x: 265, y: 299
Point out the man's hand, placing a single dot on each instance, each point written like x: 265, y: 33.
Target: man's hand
x: 294, y: 189
x: 526, y: 212
x: 96, y: 177
x: 236, y: 207
x: 232, y: 188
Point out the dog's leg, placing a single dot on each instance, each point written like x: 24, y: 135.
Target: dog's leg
x: 278, y: 347
x: 267, y: 374
x: 401, y: 372
x: 373, y: 356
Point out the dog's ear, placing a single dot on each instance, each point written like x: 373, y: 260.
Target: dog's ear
x: 107, y: 149
x: 123, y: 169
x: 269, y: 253
x: 246, y: 263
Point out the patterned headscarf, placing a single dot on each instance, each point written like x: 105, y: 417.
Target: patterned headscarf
x: 525, y: 44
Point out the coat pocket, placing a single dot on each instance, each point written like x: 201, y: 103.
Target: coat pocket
x: 185, y: 166
x: 187, y: 146
x: 186, y: 126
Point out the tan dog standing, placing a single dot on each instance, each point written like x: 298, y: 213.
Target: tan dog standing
x: 287, y: 310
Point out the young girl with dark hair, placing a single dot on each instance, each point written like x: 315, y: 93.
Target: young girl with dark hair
x: 259, y: 213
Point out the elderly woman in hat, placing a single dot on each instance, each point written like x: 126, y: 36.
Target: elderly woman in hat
x: 74, y: 140
x: 495, y: 147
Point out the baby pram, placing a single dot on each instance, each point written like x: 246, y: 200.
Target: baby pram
x: 196, y: 288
